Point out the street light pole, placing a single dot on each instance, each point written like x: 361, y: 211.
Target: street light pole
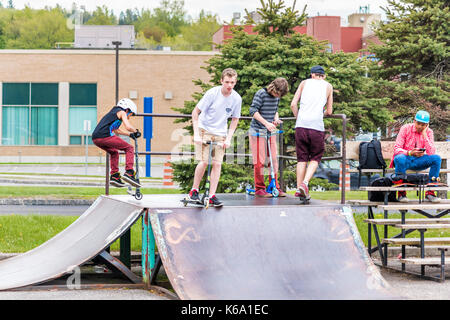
x: 117, y: 44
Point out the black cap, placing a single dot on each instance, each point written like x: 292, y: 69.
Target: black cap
x: 317, y: 69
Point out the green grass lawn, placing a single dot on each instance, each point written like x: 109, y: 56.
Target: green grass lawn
x: 20, y: 233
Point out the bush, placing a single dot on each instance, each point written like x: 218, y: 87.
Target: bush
x: 290, y: 179
x: 233, y: 177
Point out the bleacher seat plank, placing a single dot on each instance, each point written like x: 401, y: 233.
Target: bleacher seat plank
x: 424, y: 261
x: 404, y: 188
x: 408, y: 206
x: 408, y: 221
x: 416, y: 241
x: 423, y: 226
x: 390, y: 170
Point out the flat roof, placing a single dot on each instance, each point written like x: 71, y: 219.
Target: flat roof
x: 107, y: 52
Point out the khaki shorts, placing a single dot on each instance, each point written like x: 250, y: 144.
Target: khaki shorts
x: 202, y: 152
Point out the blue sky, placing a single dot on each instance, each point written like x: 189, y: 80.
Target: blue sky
x: 224, y: 8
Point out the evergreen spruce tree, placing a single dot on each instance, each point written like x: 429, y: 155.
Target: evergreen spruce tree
x: 414, y: 59
x: 278, y: 51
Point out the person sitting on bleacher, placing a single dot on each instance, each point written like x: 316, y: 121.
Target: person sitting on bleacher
x: 414, y: 150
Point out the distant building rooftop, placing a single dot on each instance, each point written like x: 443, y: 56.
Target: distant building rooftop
x: 101, y: 37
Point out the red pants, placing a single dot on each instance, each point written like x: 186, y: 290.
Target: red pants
x: 260, y: 153
x: 112, y: 145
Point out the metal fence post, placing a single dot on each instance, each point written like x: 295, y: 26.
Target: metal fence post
x: 148, y: 249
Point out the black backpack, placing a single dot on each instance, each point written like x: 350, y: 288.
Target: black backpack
x: 370, y: 157
x: 379, y: 195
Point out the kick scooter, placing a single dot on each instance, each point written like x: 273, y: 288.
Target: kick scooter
x: 272, y: 187
x: 205, y: 198
x: 137, y: 192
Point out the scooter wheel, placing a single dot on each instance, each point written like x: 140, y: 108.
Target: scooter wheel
x: 206, y: 202
x: 275, y: 192
x: 138, y: 196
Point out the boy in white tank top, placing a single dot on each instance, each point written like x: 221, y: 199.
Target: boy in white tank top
x: 316, y: 98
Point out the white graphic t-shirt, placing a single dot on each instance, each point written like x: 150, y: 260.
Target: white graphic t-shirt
x: 216, y: 109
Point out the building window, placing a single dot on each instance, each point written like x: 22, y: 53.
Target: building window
x: 82, y: 107
x: 30, y: 114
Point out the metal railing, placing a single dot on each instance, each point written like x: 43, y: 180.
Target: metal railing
x: 282, y: 157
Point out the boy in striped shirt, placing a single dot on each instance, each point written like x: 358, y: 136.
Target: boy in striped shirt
x: 264, y: 110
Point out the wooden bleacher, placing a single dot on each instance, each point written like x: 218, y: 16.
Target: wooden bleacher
x: 406, y: 226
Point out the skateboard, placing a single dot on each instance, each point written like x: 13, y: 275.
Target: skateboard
x: 436, y: 182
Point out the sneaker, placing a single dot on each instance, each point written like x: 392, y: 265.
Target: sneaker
x: 261, y: 193
x: 401, y: 196
x: 282, y: 193
x: 431, y: 196
x: 303, y: 191
x: 130, y: 177
x: 214, y: 202
x: 193, y: 196
x: 116, y: 181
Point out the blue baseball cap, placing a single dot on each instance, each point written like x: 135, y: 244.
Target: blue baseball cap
x: 317, y: 69
x: 422, y: 116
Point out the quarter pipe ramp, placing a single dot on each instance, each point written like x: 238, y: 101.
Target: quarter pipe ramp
x: 279, y: 251
x: 104, y: 222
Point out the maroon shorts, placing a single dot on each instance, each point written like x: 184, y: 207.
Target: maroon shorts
x: 309, y: 144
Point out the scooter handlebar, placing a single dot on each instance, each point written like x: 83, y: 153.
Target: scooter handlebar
x: 257, y: 134
x: 135, y: 135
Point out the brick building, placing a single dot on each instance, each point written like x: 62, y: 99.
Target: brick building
x: 350, y: 38
x: 45, y: 96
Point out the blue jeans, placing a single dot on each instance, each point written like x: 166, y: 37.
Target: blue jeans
x: 403, y: 163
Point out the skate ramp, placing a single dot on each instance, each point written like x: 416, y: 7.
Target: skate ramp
x: 104, y: 222
x: 265, y: 252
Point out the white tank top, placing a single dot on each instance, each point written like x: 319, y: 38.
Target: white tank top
x: 312, y: 103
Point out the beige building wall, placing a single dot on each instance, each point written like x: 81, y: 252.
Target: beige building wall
x: 364, y: 20
x: 148, y: 73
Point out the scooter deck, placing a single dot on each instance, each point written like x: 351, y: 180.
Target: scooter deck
x: 194, y: 202
x: 304, y: 200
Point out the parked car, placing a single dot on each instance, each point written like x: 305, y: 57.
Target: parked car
x: 330, y: 169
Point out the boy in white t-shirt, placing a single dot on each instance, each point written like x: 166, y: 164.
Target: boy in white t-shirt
x: 209, y: 121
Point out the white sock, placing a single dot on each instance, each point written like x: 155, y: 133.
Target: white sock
x: 305, y: 182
